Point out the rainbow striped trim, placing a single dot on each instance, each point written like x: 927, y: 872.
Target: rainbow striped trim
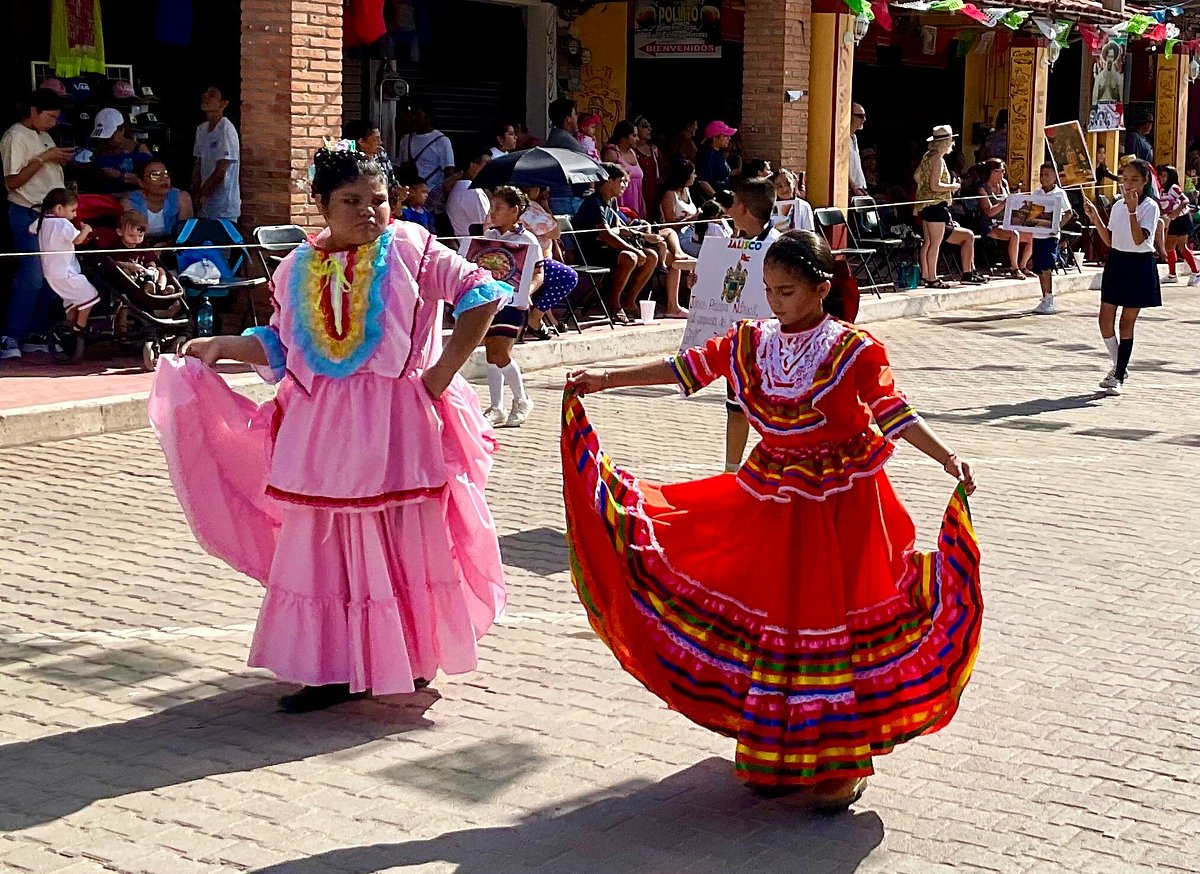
x: 804, y: 704
x: 893, y: 414
x: 336, y: 345
x: 776, y: 473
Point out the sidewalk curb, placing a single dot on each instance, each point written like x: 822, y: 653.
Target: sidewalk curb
x: 71, y: 419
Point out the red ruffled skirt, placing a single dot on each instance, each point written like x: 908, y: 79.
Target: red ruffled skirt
x: 811, y: 631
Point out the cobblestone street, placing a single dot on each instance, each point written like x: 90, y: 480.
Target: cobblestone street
x: 134, y: 739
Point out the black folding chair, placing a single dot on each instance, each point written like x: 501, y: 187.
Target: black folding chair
x: 275, y: 242
x: 869, y: 232
x: 581, y: 299
x: 858, y: 259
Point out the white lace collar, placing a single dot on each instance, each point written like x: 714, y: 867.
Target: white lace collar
x: 789, y: 362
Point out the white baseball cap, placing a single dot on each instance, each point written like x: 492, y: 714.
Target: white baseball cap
x: 107, y: 122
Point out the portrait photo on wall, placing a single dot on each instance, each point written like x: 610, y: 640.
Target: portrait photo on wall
x: 1108, y: 88
x: 1069, y: 152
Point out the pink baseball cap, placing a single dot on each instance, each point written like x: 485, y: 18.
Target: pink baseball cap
x: 718, y: 129
x: 122, y: 90
x: 55, y: 85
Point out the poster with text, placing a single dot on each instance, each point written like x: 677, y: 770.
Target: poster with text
x: 1069, y: 151
x: 508, y: 262
x: 729, y: 288
x: 1037, y: 214
x: 1108, y: 87
x: 677, y: 29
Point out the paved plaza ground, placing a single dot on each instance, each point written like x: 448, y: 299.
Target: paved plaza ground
x: 133, y: 738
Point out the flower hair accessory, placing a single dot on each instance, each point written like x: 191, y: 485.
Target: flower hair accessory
x: 330, y: 148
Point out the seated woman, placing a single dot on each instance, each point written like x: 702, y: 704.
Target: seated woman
x: 676, y: 205
x: 986, y: 196
x: 163, y: 205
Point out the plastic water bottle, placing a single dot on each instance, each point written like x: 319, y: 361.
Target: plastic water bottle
x: 204, y: 319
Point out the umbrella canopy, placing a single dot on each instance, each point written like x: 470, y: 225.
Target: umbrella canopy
x: 540, y: 168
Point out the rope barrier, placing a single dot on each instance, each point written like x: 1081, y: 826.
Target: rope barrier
x: 689, y: 222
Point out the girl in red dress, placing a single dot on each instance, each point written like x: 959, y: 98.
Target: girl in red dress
x: 784, y: 605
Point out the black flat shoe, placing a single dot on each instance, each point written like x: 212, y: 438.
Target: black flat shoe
x: 419, y: 683
x: 311, y: 698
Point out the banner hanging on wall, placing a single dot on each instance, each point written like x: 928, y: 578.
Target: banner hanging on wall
x: 677, y: 29
x: 1108, y: 88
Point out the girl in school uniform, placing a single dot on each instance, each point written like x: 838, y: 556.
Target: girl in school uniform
x: 508, y: 204
x: 1130, y: 280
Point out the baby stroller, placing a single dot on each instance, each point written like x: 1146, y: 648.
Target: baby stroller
x: 127, y: 316
x: 210, y: 275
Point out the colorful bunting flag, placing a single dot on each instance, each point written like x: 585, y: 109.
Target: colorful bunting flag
x: 861, y: 7
x: 1157, y: 33
x: 1092, y: 37
x: 1046, y: 26
x: 1014, y: 20
x: 1138, y: 24
x: 946, y: 5
x: 996, y: 14
x: 972, y: 11
x: 1062, y: 30
x: 1169, y: 48
x: 883, y: 15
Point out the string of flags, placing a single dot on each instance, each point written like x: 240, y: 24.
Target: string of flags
x: 1154, y: 26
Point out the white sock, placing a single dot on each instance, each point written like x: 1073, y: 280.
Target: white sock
x: 495, y: 381
x: 512, y: 376
x: 1111, y: 343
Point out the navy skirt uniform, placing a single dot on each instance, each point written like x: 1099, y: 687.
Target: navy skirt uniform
x: 1131, y: 280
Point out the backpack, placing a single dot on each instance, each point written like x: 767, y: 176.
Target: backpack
x: 408, y: 169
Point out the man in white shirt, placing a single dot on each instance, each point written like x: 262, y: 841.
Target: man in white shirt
x: 432, y: 153
x: 858, y: 180
x: 216, y: 182
x: 33, y: 167
x: 468, y: 206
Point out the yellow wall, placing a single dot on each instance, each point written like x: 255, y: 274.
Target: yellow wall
x: 985, y: 90
x: 604, y: 31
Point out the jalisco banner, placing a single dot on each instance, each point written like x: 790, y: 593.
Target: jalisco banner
x: 729, y: 288
x: 677, y: 29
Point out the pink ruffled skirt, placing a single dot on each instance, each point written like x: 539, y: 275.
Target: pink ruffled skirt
x: 374, y: 597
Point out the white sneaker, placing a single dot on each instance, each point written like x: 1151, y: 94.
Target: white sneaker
x: 1170, y: 279
x: 1111, y: 380
x: 520, y: 412
x: 495, y: 416
x: 1046, y: 307
x: 9, y: 348
x: 35, y: 343
x: 1194, y: 281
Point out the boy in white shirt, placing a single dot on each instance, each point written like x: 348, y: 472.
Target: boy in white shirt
x: 468, y: 206
x: 1045, y: 249
x: 216, y: 182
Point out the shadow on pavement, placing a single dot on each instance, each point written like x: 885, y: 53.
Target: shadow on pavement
x: 55, y: 776
x: 1034, y: 407
x: 698, y: 820
x: 541, y: 551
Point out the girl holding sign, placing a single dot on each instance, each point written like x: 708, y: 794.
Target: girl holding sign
x: 785, y: 605
x: 519, y: 263
x: 1130, y: 281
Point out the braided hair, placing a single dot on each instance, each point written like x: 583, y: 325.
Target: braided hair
x: 804, y: 254
x: 333, y: 168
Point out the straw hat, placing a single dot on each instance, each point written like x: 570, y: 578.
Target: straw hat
x: 941, y: 132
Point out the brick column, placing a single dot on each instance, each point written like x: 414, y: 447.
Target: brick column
x: 291, y: 98
x: 778, y: 42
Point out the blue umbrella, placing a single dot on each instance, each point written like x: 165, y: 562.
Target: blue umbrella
x: 540, y: 168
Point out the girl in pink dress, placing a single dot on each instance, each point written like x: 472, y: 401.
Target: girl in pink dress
x: 356, y: 495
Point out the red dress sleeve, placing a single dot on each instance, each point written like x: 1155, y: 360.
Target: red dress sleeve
x: 877, y: 389
x: 701, y: 365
